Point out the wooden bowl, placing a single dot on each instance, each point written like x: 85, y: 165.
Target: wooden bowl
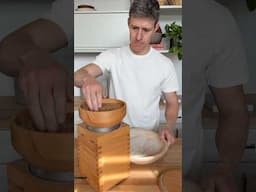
x: 85, y: 8
x: 146, y: 146
x: 111, y: 114
x: 46, y: 150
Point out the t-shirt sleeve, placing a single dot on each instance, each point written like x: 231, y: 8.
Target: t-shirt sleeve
x: 62, y: 13
x: 105, y: 60
x: 228, y: 66
x: 170, y: 81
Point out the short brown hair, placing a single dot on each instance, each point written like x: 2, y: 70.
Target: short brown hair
x: 145, y: 8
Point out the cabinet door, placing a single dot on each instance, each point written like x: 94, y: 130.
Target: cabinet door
x: 96, y: 31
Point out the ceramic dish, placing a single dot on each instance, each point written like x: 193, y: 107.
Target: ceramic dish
x: 146, y: 146
x: 85, y: 8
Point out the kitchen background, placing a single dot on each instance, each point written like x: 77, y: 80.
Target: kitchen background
x: 94, y: 34
x: 15, y: 13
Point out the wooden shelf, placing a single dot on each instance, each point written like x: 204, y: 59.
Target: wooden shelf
x: 171, y: 7
x: 162, y: 8
x: 101, y: 12
x: 170, y: 10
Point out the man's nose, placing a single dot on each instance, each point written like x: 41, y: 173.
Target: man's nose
x: 139, y: 35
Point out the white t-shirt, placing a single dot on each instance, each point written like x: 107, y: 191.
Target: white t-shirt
x: 139, y: 80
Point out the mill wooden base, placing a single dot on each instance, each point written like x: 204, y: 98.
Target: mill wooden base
x: 104, y: 158
x: 21, y: 180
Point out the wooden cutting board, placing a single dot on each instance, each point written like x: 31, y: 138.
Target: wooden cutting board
x: 170, y: 181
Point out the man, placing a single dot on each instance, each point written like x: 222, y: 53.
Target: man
x: 214, y: 58
x: 139, y: 74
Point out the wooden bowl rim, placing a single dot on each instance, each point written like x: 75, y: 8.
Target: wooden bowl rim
x: 108, y: 100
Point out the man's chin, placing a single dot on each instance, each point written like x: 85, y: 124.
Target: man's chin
x: 137, y: 49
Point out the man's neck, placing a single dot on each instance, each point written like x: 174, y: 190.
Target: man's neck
x: 143, y: 52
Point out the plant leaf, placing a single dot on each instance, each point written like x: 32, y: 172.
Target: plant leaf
x: 251, y: 4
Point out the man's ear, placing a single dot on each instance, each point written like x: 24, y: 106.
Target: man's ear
x: 156, y: 26
x: 128, y: 21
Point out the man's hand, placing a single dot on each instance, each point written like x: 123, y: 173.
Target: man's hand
x: 167, y: 135
x: 93, y: 92
x: 46, y: 87
x: 221, y: 180
x: 171, y: 112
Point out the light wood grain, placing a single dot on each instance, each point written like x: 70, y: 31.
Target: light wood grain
x: 142, y: 177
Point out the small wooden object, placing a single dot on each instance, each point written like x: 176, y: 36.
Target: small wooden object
x: 175, y: 2
x: 104, y: 158
x: 170, y: 181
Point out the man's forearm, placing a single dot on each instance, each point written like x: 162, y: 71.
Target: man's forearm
x: 80, y: 76
x: 89, y: 71
x: 40, y: 35
x: 231, y: 138
x: 171, y: 114
x: 233, y: 123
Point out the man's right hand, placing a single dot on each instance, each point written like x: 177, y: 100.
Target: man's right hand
x: 93, y: 92
x: 47, y: 88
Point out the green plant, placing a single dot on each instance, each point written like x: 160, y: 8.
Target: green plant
x: 174, y: 31
x: 251, y: 4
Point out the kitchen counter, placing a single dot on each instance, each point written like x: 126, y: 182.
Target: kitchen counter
x: 143, y: 177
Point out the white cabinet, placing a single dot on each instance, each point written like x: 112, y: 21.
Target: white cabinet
x: 96, y: 31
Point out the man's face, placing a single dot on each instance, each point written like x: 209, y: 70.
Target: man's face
x: 141, y: 31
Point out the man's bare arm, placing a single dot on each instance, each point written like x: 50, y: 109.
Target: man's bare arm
x: 38, y: 36
x: 233, y: 120
x: 93, y: 91
x: 89, y: 71
x: 171, y: 112
x: 172, y: 107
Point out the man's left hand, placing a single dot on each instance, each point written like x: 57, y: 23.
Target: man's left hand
x: 166, y: 134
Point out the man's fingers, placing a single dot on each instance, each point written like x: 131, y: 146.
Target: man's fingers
x: 161, y: 135
x: 99, y: 98
x: 48, y: 107
x: 59, y: 93
x: 22, y: 83
x: 34, y: 104
x: 94, y: 101
x: 87, y: 97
